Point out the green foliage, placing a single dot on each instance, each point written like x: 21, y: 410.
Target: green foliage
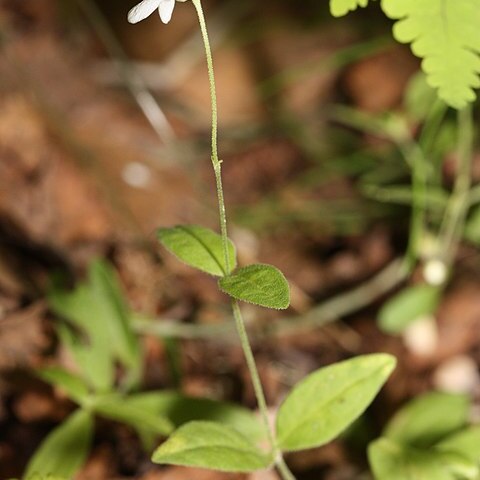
x: 424, y: 422
x: 466, y: 443
x: 428, y: 439
x: 211, y: 445
x: 198, y: 247
x: 407, y: 306
x: 65, y: 449
x: 339, y: 8
x: 97, y: 309
x: 259, y: 284
x: 393, y: 461
x: 73, y: 385
x: 124, y: 409
x: 445, y: 34
x: 329, y: 400
x: 159, y: 413
x: 180, y: 409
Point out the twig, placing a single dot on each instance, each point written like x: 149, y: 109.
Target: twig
x: 132, y: 79
x: 345, y: 303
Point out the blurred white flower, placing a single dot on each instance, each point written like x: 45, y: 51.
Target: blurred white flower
x: 147, y: 7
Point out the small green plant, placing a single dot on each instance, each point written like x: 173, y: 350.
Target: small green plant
x: 97, y: 331
x: 322, y: 405
x: 429, y: 438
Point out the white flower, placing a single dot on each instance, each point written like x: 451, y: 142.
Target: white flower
x: 147, y: 7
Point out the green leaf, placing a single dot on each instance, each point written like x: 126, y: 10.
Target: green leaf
x: 428, y: 419
x: 198, y: 247
x: 445, y: 34
x: 179, y: 409
x: 125, y: 409
x: 94, y: 361
x: 339, y: 8
x: 98, y: 310
x: 466, y: 442
x: 407, y: 306
x: 326, y: 402
x: 391, y: 461
x: 259, y: 284
x: 73, y: 386
x: 65, y: 449
x: 457, y: 464
x: 211, y: 445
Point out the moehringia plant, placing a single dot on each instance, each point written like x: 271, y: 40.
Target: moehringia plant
x: 318, y: 409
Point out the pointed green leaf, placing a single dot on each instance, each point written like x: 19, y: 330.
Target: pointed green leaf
x: 73, y: 385
x: 97, y: 308
x: 407, y: 306
x: 211, y: 445
x: 198, y: 247
x: 259, y: 284
x: 428, y: 419
x: 180, y: 409
x: 391, y: 461
x: 94, y: 362
x: 339, y: 8
x: 65, y: 450
x: 445, y: 34
x: 326, y: 402
x: 125, y: 409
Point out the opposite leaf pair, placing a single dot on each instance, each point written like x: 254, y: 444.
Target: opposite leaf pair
x: 317, y: 410
x: 202, y: 249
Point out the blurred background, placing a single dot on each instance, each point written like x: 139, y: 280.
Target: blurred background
x: 104, y: 136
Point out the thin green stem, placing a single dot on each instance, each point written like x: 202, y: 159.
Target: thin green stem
x: 283, y: 469
x: 240, y: 324
x: 252, y: 367
x: 216, y: 162
x: 457, y: 209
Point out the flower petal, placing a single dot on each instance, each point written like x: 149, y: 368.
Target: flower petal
x: 142, y: 10
x: 166, y: 9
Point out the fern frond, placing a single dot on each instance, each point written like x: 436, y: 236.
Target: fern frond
x: 446, y: 35
x: 339, y: 8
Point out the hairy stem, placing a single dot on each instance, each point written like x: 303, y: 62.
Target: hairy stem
x: 240, y: 324
x: 252, y: 367
x: 216, y: 162
x: 283, y: 469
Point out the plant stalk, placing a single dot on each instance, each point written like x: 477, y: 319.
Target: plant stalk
x: 240, y: 324
x: 216, y: 162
